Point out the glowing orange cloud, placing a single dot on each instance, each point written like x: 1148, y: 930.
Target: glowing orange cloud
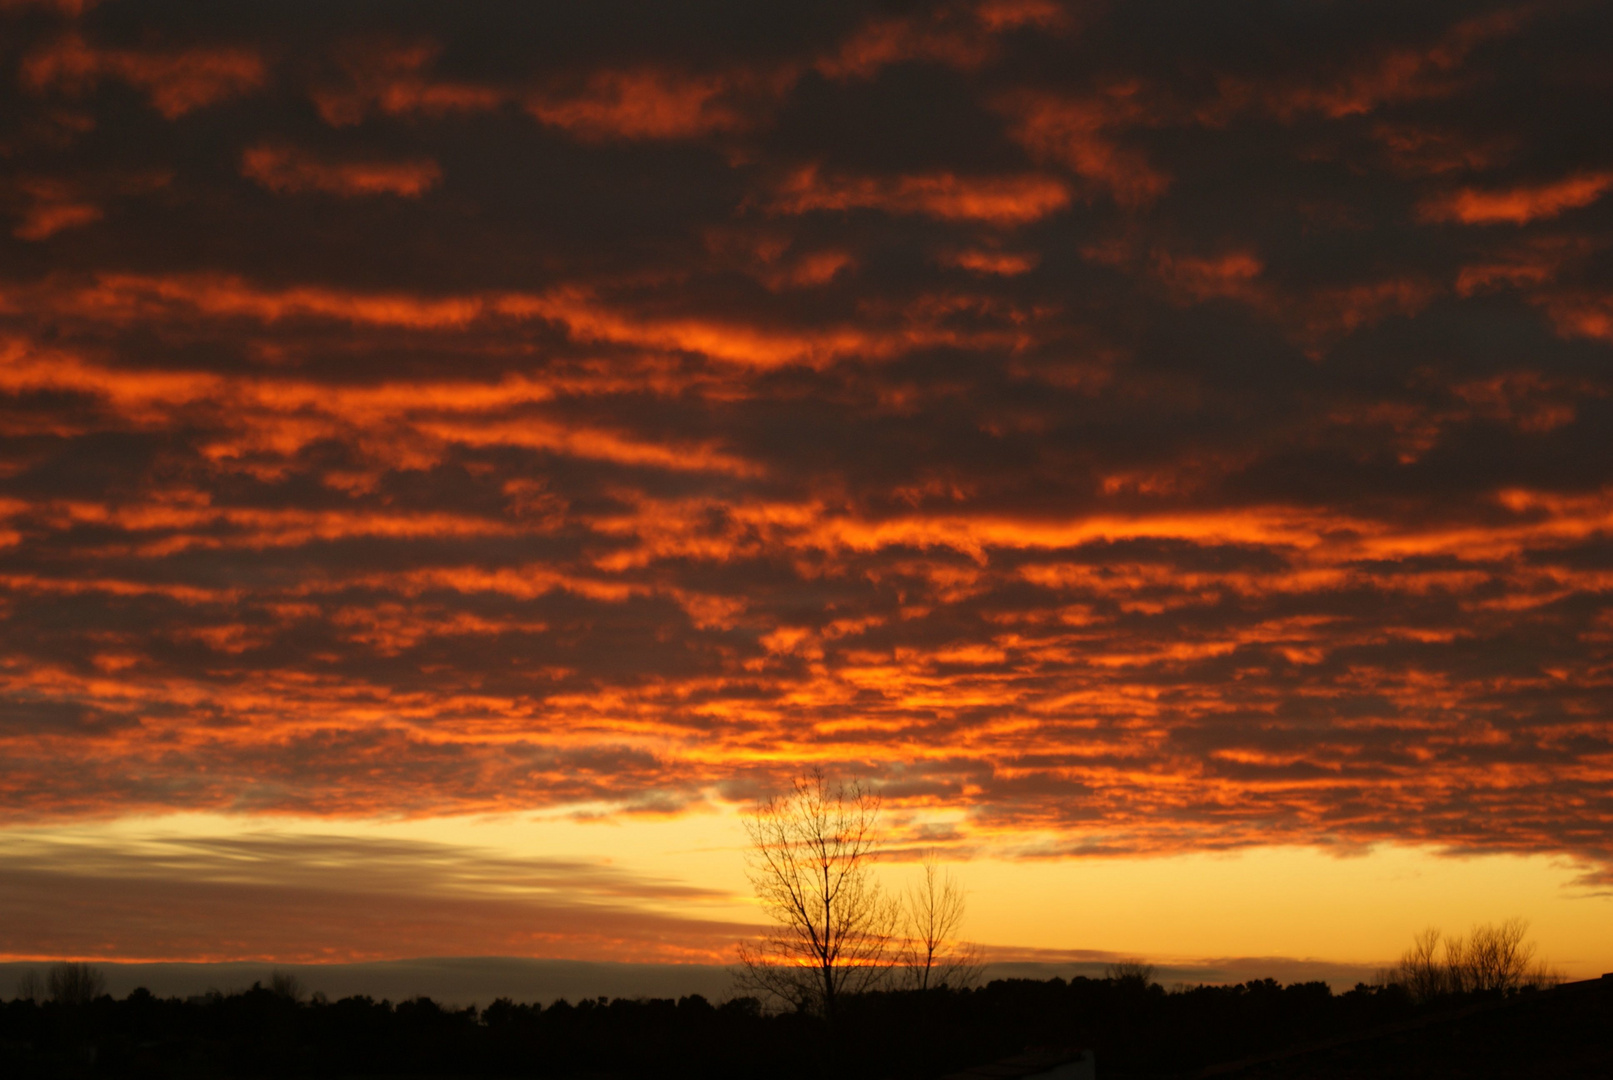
x: 1004, y: 263
x: 1519, y: 205
x: 392, y: 79
x: 882, y: 42
x: 1533, y: 267
x: 1080, y: 134
x: 285, y: 169
x: 1364, y: 84
x: 285, y: 415
x: 1005, y: 201
x: 127, y: 298
x: 176, y: 82
x: 55, y: 206
x: 1000, y: 15
x: 645, y: 104
x: 1580, y: 313
x: 960, y: 36
x: 1234, y: 276
x: 1423, y: 151
x: 1314, y: 317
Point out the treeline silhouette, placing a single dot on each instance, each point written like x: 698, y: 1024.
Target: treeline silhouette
x: 1495, y: 957
x: 1136, y: 1027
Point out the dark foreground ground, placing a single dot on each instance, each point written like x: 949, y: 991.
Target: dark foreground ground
x: 1555, y: 1035
x: 1253, y: 1030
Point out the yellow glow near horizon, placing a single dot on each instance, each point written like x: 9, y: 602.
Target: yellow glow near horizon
x: 1295, y: 902
x: 1288, y: 901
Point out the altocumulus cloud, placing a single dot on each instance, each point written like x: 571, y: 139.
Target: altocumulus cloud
x: 1151, y: 426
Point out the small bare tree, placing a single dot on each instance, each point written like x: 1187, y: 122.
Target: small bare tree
x: 285, y: 984
x: 30, y: 987
x: 811, y: 864
x: 1421, y: 971
x: 75, y: 984
x: 1498, y: 957
x: 932, y: 954
x: 1133, y: 973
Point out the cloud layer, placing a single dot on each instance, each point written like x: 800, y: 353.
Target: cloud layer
x: 338, y: 899
x: 1143, y: 426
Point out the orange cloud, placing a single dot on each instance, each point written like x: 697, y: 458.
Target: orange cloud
x: 285, y: 415
x: 772, y: 258
x: 1001, y: 263
x: 1389, y: 76
x: 1231, y: 276
x: 392, y: 79
x: 176, y: 82
x: 1315, y: 316
x: 811, y: 269
x: 597, y: 444
x: 132, y: 297
x: 1003, y: 201
x: 1344, y: 309
x: 956, y: 35
x: 941, y: 38
x: 285, y: 170
x: 55, y: 206
x: 129, y: 298
x: 1421, y: 151
x: 1000, y: 15
x: 1079, y: 134
x: 1579, y: 313
x: 1519, y: 205
x: 1520, y: 270
x: 644, y: 104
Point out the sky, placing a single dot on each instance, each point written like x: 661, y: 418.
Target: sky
x: 454, y: 459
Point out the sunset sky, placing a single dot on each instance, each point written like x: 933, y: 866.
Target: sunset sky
x: 455, y: 457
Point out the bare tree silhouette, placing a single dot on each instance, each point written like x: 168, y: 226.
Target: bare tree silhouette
x: 1498, y: 957
x: 932, y: 954
x: 75, y: 984
x: 1493, y: 958
x: 286, y: 984
x: 811, y: 864
x: 30, y: 987
x: 1422, y: 972
x: 1134, y: 973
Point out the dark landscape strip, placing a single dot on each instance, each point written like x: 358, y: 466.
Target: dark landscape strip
x: 1396, y: 1028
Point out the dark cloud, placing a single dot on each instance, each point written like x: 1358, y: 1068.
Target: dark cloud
x: 1158, y: 424
x: 293, y: 897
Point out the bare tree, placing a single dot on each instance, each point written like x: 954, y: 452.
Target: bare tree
x: 932, y: 954
x: 1498, y: 957
x: 1495, y: 957
x: 1132, y: 973
x: 75, y: 984
x: 286, y: 984
x: 1421, y: 971
x: 811, y: 863
x: 30, y: 987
